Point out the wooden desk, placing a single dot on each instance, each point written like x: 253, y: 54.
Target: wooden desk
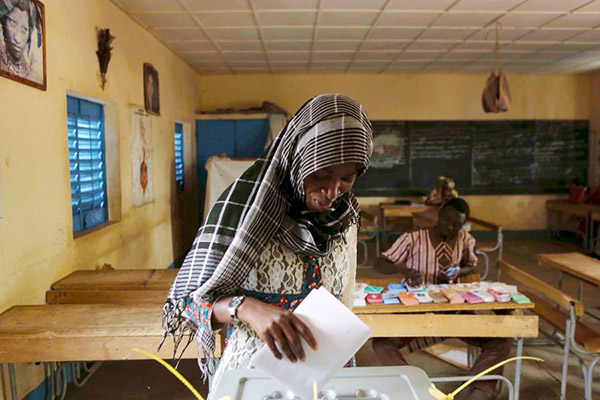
x: 425, y: 320
x: 560, y: 207
x: 575, y: 264
x: 131, y: 286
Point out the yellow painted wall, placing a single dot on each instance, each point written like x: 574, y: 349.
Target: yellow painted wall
x: 421, y: 97
x: 36, y: 238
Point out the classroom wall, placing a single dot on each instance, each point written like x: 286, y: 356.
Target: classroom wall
x: 421, y: 97
x: 594, y: 171
x: 37, y: 246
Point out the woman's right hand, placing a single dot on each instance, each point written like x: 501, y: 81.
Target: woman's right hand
x: 277, y: 327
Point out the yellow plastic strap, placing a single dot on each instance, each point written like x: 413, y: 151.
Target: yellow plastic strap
x: 174, y: 372
x: 435, y: 392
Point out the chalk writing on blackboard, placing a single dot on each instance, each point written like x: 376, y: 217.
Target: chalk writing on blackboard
x: 483, y: 157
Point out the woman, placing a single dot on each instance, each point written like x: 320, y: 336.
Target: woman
x: 285, y: 227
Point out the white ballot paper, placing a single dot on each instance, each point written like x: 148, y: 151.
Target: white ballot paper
x: 339, y: 335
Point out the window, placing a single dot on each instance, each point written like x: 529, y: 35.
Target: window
x: 179, y: 156
x: 85, y: 126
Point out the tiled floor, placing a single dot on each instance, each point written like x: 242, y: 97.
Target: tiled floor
x: 147, y: 380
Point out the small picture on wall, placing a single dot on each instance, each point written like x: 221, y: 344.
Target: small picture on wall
x: 23, y: 42
x: 151, y: 93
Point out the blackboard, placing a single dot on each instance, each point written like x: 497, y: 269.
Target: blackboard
x: 483, y: 157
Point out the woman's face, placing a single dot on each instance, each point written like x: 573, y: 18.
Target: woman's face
x: 16, y: 33
x: 325, y: 185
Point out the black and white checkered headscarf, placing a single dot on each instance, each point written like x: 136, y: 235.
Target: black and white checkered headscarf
x: 267, y: 201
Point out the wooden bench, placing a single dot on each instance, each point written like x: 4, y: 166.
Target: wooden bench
x: 563, y: 312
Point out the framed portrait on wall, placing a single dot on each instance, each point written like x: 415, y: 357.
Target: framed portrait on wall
x: 23, y: 42
x: 151, y: 93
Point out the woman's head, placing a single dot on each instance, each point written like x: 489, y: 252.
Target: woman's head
x: 333, y: 146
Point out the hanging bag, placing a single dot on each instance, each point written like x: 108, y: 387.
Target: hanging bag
x: 496, y: 94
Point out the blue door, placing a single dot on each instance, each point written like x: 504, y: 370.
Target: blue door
x: 240, y: 138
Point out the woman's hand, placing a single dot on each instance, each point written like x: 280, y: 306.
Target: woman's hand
x: 276, y: 325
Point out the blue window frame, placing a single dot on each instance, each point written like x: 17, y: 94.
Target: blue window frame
x: 179, y: 156
x: 85, y: 127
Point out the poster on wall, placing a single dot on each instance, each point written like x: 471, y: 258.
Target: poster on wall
x: 151, y: 92
x: 1, y: 212
x: 23, y: 42
x: 141, y: 156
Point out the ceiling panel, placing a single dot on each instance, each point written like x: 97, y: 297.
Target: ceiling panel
x: 445, y: 33
x: 348, y: 18
x: 289, y: 45
x: 486, y: 5
x: 289, y: 56
x: 526, y: 20
x: 352, y: 4
x: 418, y: 56
x: 171, y: 34
x: 550, y: 35
x: 411, y: 5
x: 385, y: 44
x: 212, y: 5
x: 432, y: 45
x: 286, y: 4
x: 292, y: 33
x: 407, y: 18
x: 248, y: 45
x: 331, y: 66
x: 461, y: 56
x: 241, y: 57
x: 166, y: 20
x: 341, y: 33
x: 337, y: 44
x: 431, y: 35
x: 332, y: 56
x: 150, y: 5
x: 591, y: 7
x: 205, y: 57
x: 400, y: 68
x: 233, y: 33
x: 551, y: 5
x: 182, y: 46
x: 395, y: 33
x: 464, y: 19
x: 231, y: 19
x: 287, y: 18
x: 375, y: 55
x: 589, y: 36
x: 575, y: 21
x: 506, y: 34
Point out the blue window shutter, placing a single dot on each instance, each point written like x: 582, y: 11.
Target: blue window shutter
x: 87, y: 163
x: 179, y: 170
